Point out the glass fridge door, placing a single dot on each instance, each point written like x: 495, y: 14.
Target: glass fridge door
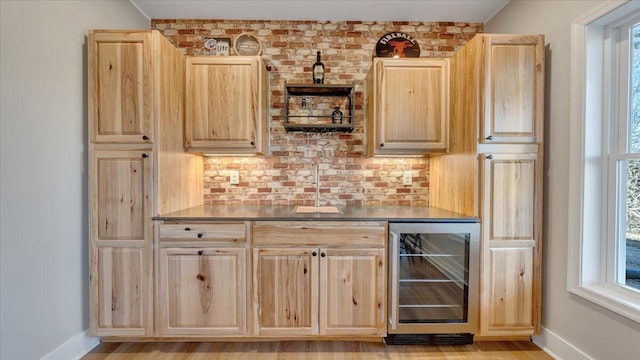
x: 434, y: 275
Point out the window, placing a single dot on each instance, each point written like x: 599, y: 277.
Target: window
x: 624, y: 155
x: 604, y: 228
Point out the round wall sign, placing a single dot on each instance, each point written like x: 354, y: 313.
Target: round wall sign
x: 397, y: 44
x: 248, y: 44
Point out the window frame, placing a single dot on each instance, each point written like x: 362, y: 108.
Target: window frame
x: 591, y: 269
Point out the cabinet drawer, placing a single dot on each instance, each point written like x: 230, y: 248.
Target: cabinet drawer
x: 222, y: 232
x: 321, y: 233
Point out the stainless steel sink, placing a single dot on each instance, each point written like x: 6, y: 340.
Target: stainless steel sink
x: 317, y: 209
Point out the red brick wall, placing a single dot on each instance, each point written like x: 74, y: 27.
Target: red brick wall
x: 289, y: 50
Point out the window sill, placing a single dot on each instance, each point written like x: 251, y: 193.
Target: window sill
x: 612, y: 297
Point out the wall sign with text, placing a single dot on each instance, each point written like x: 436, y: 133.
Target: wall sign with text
x: 397, y: 44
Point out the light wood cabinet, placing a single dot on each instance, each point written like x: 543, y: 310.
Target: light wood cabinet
x: 137, y: 169
x: 352, y: 282
x: 122, y: 290
x: 221, y: 232
x: 120, y: 87
x: 226, y: 105
x: 286, y: 289
x: 511, y: 189
x: 507, y: 295
x: 202, y: 291
x: 494, y: 171
x: 316, y: 282
x: 201, y: 286
x: 121, y: 195
x: 512, y: 89
x: 121, y: 234
x: 407, y: 106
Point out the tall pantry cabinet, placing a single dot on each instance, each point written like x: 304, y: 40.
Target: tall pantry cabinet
x: 137, y: 169
x: 496, y: 152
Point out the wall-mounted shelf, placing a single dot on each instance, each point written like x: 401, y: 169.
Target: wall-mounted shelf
x: 309, y: 107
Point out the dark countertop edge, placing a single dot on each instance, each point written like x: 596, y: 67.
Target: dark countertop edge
x: 323, y: 218
x: 394, y: 214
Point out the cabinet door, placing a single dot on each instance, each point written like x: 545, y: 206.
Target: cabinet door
x: 508, y: 291
x: 120, y: 90
x: 511, y: 217
x: 120, y: 242
x: 120, y: 195
x: 222, y: 104
x: 413, y: 105
x: 119, y: 291
x: 353, y: 292
x: 285, y: 285
x: 202, y: 291
x: 513, y: 89
x: 511, y: 197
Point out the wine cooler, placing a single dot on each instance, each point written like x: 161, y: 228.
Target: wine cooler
x: 433, y: 282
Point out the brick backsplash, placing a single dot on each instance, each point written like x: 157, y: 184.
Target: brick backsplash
x: 347, y: 177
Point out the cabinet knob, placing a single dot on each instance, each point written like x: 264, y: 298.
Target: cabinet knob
x: 144, y: 156
x: 200, y: 235
x: 323, y: 254
x: 314, y: 253
x: 253, y: 143
x: 187, y: 229
x: 489, y: 157
x: 145, y: 137
x: 489, y: 137
x: 382, y: 145
x: 200, y: 252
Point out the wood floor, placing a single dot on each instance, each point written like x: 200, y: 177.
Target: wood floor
x: 315, y: 350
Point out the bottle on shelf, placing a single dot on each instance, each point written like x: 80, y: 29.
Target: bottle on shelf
x: 336, y: 116
x: 318, y: 70
x: 304, y: 112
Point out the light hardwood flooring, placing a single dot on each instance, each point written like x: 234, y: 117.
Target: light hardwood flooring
x: 315, y: 350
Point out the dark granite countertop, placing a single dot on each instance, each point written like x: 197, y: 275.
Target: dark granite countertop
x: 286, y: 213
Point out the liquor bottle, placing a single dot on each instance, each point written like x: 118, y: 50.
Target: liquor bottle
x: 318, y: 70
x: 304, y: 112
x: 336, y: 116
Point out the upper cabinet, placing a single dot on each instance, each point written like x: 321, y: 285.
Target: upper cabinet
x: 120, y: 88
x: 226, y: 105
x: 511, y: 88
x: 407, y: 106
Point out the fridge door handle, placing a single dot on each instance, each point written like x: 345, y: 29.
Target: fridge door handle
x: 393, y: 279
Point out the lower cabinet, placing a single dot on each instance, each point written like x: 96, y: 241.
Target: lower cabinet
x: 311, y: 291
x: 305, y: 279
x: 285, y: 282
x: 201, y: 279
x: 509, y: 291
x: 202, y: 291
x: 330, y: 287
x: 511, y: 216
x: 119, y: 280
x: 353, y: 298
x: 120, y: 239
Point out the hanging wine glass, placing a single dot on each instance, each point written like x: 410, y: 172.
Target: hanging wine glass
x: 308, y: 150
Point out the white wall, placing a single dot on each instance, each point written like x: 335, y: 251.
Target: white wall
x: 568, y: 320
x: 43, y: 213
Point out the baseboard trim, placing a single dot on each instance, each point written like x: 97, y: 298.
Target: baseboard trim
x: 557, y: 347
x: 74, y: 348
